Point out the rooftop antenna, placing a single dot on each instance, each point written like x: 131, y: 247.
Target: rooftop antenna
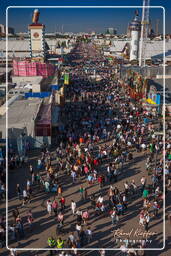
x: 150, y: 26
x: 157, y: 27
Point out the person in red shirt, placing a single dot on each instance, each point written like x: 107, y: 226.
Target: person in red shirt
x: 100, y: 181
x: 55, y: 207
x: 89, y: 160
x: 62, y: 202
x: 95, y: 162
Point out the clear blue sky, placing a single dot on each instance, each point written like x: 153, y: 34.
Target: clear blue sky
x: 76, y: 20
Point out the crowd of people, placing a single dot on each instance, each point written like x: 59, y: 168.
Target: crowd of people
x: 104, y: 132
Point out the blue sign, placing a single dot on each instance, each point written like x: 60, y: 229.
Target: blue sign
x: 37, y: 94
x: 158, y: 99
x: 55, y: 87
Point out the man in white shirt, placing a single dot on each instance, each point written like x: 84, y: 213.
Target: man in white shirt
x: 71, y: 237
x: 28, y: 183
x: 24, y: 197
x: 78, y: 227
x: 126, y: 185
x: 73, y: 206
x: 100, y: 199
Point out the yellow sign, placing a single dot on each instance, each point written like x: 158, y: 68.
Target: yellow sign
x: 150, y: 101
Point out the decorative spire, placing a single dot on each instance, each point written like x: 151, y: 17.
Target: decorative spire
x: 136, y: 13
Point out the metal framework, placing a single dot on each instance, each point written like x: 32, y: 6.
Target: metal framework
x: 144, y: 31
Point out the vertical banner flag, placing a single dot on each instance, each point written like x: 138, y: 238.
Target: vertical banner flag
x: 66, y: 79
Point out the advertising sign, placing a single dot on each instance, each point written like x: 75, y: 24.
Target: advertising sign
x: 66, y: 79
x: 37, y: 42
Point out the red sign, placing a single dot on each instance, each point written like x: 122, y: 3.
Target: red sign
x: 36, y: 35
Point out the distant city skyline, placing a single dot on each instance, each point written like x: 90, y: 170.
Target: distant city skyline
x: 81, y: 20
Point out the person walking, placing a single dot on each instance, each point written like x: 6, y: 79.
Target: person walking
x: 126, y: 186
x: 62, y: 202
x: 146, y: 221
x: 89, y: 234
x: 31, y: 169
x: 73, y: 207
x: 59, y: 191
x: 143, y: 183
x: 156, y: 207
x: 60, y: 218
x: 20, y: 229
x: 85, y: 217
x: 30, y: 219
x: 18, y: 190
x: 60, y: 243
x: 73, y: 175
x: 145, y: 193
x: 100, y: 181
x: 85, y: 194
x: 114, y: 216
x: 81, y: 192
x: 71, y: 239
x: 55, y: 207
x: 51, y: 243
x: 25, y: 197
x: 49, y: 207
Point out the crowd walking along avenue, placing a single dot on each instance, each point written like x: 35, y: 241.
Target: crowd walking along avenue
x: 89, y: 148
x: 100, y: 184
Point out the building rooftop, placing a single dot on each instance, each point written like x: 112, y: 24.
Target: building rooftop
x: 23, y: 80
x: 21, y: 113
x: 3, y: 70
x: 154, y: 49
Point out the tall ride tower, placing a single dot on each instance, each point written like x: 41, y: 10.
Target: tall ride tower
x: 37, y: 38
x: 135, y: 27
x: 144, y: 31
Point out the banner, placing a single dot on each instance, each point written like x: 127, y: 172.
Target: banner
x: 66, y: 79
x: 55, y: 87
x: 37, y: 94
